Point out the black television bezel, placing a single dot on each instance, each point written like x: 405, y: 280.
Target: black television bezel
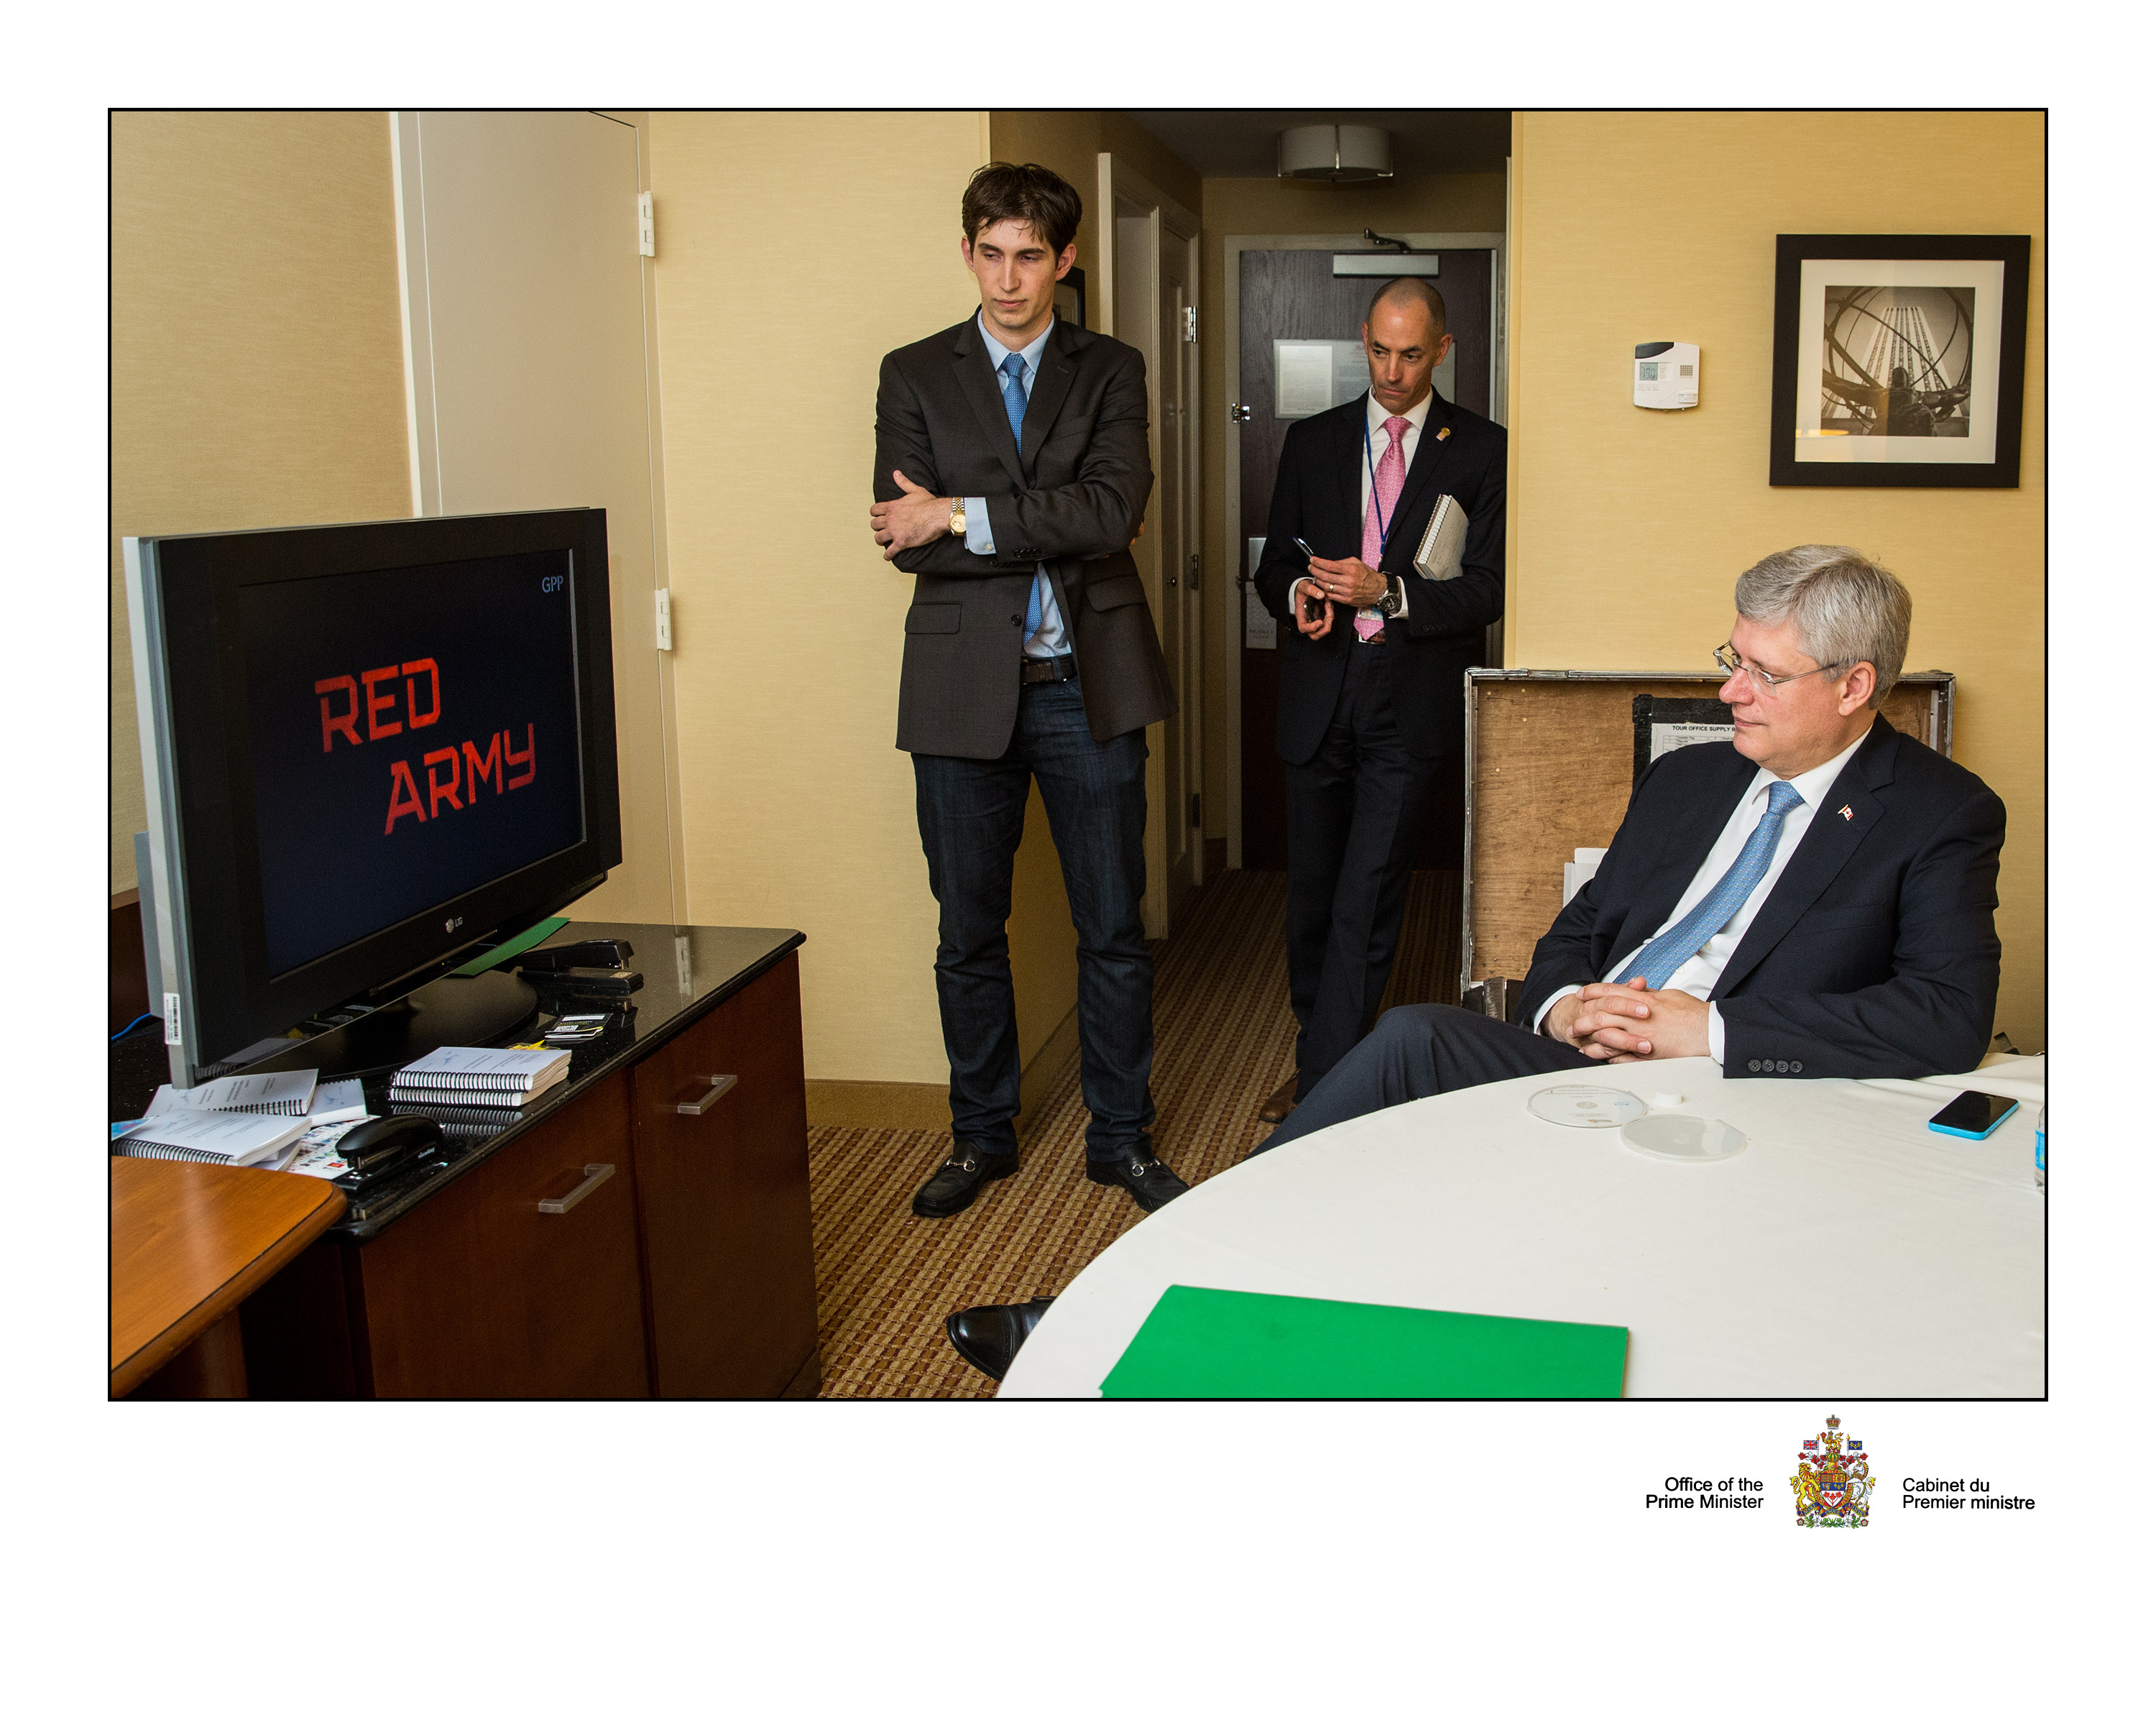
x: 199, y: 579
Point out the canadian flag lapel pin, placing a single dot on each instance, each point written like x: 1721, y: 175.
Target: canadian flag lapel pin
x: 1846, y: 812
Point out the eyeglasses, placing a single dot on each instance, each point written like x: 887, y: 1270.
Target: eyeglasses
x: 1726, y: 656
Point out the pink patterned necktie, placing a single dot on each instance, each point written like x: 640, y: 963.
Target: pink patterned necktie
x: 1391, y: 477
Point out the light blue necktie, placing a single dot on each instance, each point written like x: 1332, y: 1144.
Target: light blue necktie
x: 1013, y: 376
x: 1660, y: 959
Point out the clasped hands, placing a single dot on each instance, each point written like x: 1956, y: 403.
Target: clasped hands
x: 1618, y: 1021
x: 1346, y: 581
x: 914, y: 518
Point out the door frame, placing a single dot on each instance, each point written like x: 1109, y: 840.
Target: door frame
x: 424, y: 451
x: 1167, y: 223
x: 1232, y: 248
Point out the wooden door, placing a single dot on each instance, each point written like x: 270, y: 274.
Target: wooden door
x: 729, y: 1269
x: 479, y: 1292
x: 1294, y: 295
x: 528, y: 371
x: 1181, y: 637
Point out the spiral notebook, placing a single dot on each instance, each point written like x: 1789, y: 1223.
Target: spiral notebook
x: 1444, y: 540
x: 496, y: 1077
x: 227, y: 1137
x: 288, y: 1093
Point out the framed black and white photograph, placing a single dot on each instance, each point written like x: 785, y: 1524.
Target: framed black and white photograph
x: 1898, y: 359
x: 1070, y: 297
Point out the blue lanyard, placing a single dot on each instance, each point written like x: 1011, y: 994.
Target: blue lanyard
x: 1385, y: 522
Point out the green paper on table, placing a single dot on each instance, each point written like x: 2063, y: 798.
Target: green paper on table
x: 515, y: 944
x: 1214, y: 1341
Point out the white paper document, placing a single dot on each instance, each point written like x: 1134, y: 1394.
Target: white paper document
x: 208, y: 1135
x: 258, y: 1093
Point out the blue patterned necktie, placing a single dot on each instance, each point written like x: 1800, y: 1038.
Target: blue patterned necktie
x: 1013, y: 380
x: 1661, y: 957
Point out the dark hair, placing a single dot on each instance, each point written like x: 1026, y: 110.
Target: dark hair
x: 1028, y: 193
x: 1416, y: 288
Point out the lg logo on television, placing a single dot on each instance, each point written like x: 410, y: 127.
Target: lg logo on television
x: 553, y: 583
x: 452, y: 925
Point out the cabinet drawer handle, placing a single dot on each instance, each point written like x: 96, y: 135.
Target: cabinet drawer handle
x: 596, y: 1175
x: 722, y: 1082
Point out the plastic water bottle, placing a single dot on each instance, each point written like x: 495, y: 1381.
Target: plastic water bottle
x: 2040, y: 1147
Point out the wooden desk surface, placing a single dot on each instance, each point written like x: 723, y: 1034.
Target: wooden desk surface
x: 190, y: 1241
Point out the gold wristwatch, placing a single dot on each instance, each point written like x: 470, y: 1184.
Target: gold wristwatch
x: 958, y: 517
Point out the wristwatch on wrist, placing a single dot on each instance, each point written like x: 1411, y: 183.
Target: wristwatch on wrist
x: 958, y: 517
x: 1393, y: 597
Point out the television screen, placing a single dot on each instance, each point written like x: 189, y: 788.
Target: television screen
x: 414, y: 735
x: 367, y: 749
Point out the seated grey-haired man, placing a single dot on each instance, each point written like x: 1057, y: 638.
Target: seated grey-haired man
x: 1812, y: 900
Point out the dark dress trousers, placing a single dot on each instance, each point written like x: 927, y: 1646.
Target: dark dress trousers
x: 1365, y: 729
x: 1069, y: 493
x: 1873, y: 957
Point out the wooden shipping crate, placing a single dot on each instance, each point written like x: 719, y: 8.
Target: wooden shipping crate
x: 1549, y: 768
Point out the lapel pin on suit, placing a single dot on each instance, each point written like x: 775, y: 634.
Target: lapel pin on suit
x: 1846, y: 812
x: 1443, y: 433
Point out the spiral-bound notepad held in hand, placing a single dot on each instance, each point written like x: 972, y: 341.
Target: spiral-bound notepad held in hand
x: 1444, y: 542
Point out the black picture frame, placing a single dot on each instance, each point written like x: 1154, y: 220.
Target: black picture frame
x: 1070, y: 296
x: 1852, y: 392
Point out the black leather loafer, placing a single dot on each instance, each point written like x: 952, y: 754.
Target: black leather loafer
x: 1140, y: 1173
x: 987, y: 1336
x: 958, y: 1182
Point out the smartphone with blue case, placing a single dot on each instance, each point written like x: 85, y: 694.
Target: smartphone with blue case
x: 1972, y: 1115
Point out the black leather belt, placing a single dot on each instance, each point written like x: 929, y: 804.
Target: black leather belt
x: 1061, y: 669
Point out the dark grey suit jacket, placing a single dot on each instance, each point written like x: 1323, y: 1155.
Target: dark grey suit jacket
x: 1875, y: 955
x: 1071, y: 494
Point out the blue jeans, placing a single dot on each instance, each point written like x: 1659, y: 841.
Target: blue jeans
x: 972, y: 815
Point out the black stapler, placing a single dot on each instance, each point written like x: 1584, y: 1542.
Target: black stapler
x: 376, y: 1149
x: 578, y: 955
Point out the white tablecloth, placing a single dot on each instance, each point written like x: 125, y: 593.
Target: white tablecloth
x: 1849, y: 1250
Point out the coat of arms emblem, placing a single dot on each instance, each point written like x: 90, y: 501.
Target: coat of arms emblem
x: 1833, y: 1481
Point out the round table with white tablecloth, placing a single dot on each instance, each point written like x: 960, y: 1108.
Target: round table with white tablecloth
x: 1846, y: 1251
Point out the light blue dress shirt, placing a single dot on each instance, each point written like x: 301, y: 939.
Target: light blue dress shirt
x: 1052, y: 637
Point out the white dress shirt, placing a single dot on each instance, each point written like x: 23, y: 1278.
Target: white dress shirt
x: 1052, y: 637
x: 1375, y: 416
x: 1697, y: 975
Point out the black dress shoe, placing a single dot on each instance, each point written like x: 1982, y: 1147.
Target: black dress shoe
x: 958, y: 1182
x: 1140, y: 1173
x: 987, y: 1336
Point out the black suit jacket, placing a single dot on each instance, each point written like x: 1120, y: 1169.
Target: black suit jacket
x: 1318, y: 497
x: 1071, y: 494
x: 1874, y: 956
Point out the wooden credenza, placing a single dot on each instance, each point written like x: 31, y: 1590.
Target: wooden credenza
x: 672, y: 1256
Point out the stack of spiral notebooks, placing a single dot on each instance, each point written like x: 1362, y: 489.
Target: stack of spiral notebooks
x: 476, y: 1092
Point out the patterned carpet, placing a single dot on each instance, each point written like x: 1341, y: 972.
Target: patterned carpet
x: 1223, y: 1037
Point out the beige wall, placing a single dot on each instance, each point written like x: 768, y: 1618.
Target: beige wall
x: 797, y: 810
x: 1070, y: 142
x: 258, y: 356
x: 1627, y: 528
x: 1427, y: 204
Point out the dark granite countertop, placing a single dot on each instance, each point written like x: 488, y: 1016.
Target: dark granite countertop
x: 687, y: 971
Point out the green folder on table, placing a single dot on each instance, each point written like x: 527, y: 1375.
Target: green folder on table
x: 1214, y: 1341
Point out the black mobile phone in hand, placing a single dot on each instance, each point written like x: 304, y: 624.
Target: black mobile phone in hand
x: 1972, y: 1115
x: 1313, y: 607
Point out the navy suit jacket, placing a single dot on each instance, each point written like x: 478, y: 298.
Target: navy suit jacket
x: 1873, y: 957
x: 1318, y: 496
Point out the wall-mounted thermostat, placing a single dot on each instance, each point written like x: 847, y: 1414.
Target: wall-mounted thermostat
x: 1665, y: 374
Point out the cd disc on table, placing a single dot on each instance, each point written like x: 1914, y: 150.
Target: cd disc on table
x: 1684, y: 1137
x: 1585, y: 1104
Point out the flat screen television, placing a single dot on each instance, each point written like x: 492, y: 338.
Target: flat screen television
x: 366, y: 749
